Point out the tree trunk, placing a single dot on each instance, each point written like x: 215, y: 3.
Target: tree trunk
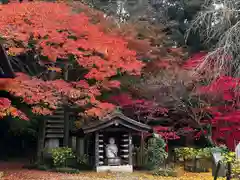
x: 41, y: 138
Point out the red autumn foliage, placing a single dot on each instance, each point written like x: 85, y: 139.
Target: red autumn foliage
x: 223, y: 94
x: 194, y: 61
x: 140, y: 106
x: 226, y: 125
x: 147, y: 109
x: 221, y: 97
x: 58, y: 32
x: 225, y: 86
x: 166, y: 133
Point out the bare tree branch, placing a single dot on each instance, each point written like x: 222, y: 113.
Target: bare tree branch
x: 219, y: 26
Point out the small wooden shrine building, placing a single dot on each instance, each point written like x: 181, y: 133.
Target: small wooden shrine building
x: 92, y: 139
x: 121, y: 128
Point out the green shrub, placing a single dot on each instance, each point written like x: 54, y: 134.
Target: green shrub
x: 236, y: 169
x: 60, y: 156
x: 204, y: 153
x: 185, y: 153
x: 156, y: 152
x: 166, y: 172
x: 192, y: 153
x: 229, y: 157
x: 140, y: 158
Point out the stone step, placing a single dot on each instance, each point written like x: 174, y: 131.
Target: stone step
x: 57, y: 126
x: 59, y: 111
x: 57, y: 131
x: 54, y: 136
x: 124, y: 156
x: 49, y: 121
x: 57, y: 116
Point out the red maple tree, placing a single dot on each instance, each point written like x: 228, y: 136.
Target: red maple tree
x: 186, y: 101
x: 224, y: 109
x: 57, y: 33
x: 223, y: 95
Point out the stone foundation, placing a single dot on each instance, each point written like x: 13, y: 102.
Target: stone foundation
x: 123, y: 168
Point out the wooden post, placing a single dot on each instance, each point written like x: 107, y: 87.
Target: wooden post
x: 66, y: 114
x: 80, y: 149
x: 78, y: 146
x: 96, y: 149
x: 130, y: 149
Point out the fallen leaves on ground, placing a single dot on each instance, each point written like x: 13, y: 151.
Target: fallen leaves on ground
x: 15, y: 172
x: 23, y: 174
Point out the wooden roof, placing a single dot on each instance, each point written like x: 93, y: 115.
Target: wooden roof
x: 116, y: 119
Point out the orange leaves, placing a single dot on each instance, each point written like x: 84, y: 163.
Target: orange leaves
x: 45, y: 96
x: 111, y: 84
x: 57, y: 32
x: 41, y: 110
x: 100, y: 110
x: 81, y: 84
x: 4, y: 103
x: 5, y: 82
x: 95, y: 74
x: 7, y: 109
x: 50, y: 52
x: 34, y: 91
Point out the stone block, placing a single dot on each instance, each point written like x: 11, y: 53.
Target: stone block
x: 123, y: 168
